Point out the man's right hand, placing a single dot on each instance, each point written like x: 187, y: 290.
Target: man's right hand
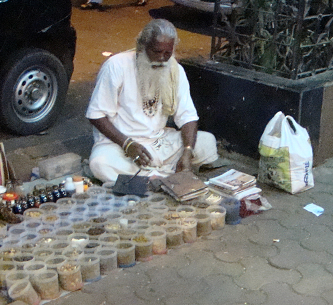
x: 140, y: 154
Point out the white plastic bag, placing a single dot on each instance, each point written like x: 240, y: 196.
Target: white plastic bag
x: 286, y: 155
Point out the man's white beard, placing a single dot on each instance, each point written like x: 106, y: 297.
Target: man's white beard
x: 154, y: 82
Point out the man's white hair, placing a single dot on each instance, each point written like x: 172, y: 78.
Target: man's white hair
x: 157, y: 29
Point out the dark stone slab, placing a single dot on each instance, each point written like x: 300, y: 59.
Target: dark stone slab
x: 235, y: 104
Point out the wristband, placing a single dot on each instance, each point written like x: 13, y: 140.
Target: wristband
x: 189, y: 147
x: 126, y: 142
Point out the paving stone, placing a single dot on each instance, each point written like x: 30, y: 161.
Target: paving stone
x: 328, y: 296
x: 269, y: 230
x: 319, y: 239
x: 281, y: 293
x: 315, y: 280
x: 234, y: 251
x: 258, y: 273
x: 291, y: 255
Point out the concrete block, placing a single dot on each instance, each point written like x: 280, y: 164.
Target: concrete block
x: 59, y: 166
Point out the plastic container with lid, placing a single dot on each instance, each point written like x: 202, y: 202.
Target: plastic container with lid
x: 108, y: 259
x: 54, y: 262
x: 185, y: 211
x: 109, y: 239
x: 189, y: 226
x: 33, y: 269
x: 90, y: 268
x: 59, y: 246
x: 5, y: 268
x: 34, y: 213
x: 70, y: 186
x: 158, y: 209
x: 143, y: 248
x: 47, y: 285
x: 126, y: 234
x: 204, y: 226
x: 158, y: 235
x: 63, y: 233
x: 91, y: 247
x: 73, y: 253
x: 217, y: 216
x: 81, y: 226
x: 70, y: 277
x: 95, y: 191
x: 78, y: 239
x: 95, y: 232
x: 174, y: 235
x: 23, y: 291
x: 15, y: 276
x: 21, y: 259
x: 125, y: 254
x: 42, y: 254
x: 78, y: 184
x: 32, y: 224
x: 81, y: 197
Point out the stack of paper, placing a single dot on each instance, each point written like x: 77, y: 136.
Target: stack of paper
x: 235, y: 183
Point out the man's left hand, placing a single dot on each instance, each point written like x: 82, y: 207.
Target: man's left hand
x: 184, y: 163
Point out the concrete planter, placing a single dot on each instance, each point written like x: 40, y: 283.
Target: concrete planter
x: 235, y: 104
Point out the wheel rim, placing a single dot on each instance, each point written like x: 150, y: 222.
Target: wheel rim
x: 35, y: 94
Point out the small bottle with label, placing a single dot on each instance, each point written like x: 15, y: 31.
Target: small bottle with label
x: 69, y: 186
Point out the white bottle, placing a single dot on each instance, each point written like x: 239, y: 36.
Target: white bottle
x: 69, y: 186
x: 78, y: 182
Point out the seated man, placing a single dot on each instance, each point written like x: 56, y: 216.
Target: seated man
x: 135, y: 93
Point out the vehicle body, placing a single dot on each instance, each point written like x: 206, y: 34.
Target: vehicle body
x: 37, y: 47
x: 206, y: 6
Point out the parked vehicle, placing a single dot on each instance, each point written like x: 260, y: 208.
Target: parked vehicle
x: 37, y: 47
x: 205, y: 6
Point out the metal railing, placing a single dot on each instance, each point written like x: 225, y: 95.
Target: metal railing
x: 292, y: 39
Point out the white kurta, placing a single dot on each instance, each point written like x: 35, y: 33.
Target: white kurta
x: 117, y: 97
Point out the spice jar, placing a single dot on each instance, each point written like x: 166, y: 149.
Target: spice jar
x: 174, y: 235
x: 21, y: 259
x: 5, y: 268
x: 108, y: 259
x: 92, y: 246
x: 15, y: 276
x: 125, y: 254
x: 109, y: 239
x: 143, y: 248
x: 34, y: 269
x: 47, y: 285
x: 189, y: 226
x: 56, y: 261
x: 90, y: 268
x: 23, y: 291
x: 78, y: 239
x: 158, y: 235
x: 70, y: 277
x: 95, y: 232
x: 217, y: 216
x: 204, y: 226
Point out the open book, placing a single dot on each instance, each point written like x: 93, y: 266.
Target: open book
x: 233, y: 180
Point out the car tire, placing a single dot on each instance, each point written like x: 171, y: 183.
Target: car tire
x: 33, y: 90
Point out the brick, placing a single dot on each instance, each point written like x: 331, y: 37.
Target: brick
x: 59, y: 166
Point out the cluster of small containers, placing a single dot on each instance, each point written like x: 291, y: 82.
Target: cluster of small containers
x: 61, y: 245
